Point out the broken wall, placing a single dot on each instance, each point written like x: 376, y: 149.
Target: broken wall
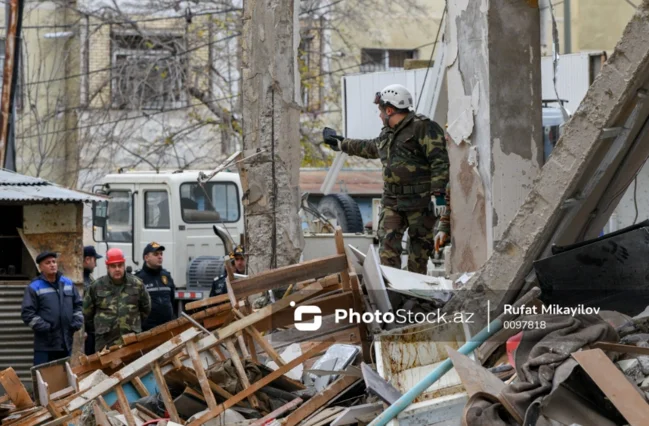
x: 494, y: 120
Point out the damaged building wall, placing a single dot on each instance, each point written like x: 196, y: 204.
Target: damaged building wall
x: 494, y: 126
x: 57, y: 228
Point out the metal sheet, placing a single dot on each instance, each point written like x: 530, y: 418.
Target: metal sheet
x: 610, y: 272
x: 17, y: 348
x: 19, y: 189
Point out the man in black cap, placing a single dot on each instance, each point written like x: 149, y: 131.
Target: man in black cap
x: 237, y: 258
x: 90, y: 257
x: 52, y: 308
x: 159, y: 285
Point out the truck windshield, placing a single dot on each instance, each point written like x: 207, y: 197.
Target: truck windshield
x: 118, y: 220
x: 218, y: 202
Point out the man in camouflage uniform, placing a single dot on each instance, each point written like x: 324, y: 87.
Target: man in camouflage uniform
x: 116, y: 304
x: 412, y: 149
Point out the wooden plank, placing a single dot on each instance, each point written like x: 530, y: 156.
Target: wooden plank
x: 217, y: 354
x: 62, y: 393
x: 164, y: 393
x: 177, y: 362
x: 191, y: 375
x: 134, y: 368
x: 256, y: 386
x: 274, y: 278
x: 474, y: 377
x: 340, y: 249
x: 615, y: 385
x: 215, y: 300
x: 146, y: 411
x: 243, y: 377
x: 359, y: 306
x: 15, y: 389
x: 43, y: 390
x: 54, y: 410
x: 123, y: 403
x: 103, y: 403
x: 267, y: 347
x: 319, y: 400
x: 100, y: 416
x: 624, y: 349
x: 200, y: 374
x: 139, y: 387
x: 278, y: 412
x: 233, y: 302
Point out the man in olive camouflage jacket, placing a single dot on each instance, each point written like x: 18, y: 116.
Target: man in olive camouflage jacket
x: 117, y: 304
x: 412, y: 149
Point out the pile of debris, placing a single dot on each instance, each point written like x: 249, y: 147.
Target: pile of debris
x: 225, y: 363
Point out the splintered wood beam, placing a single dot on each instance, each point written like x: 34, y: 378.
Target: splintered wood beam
x: 134, y: 368
x: 279, y: 277
x: 267, y: 347
x: 200, y: 374
x: 15, y: 389
x: 254, y: 402
x: 123, y: 403
x: 215, y: 300
x: 233, y: 302
x: 258, y: 385
x: 164, y: 393
x: 139, y: 387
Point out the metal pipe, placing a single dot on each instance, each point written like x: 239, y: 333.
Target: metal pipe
x: 407, y: 398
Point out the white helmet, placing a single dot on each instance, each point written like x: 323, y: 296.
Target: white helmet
x: 395, y: 95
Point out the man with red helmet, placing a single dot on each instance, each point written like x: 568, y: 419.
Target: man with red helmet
x: 116, y: 304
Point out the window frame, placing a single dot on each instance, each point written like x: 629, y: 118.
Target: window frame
x: 153, y: 55
x: 146, y: 209
x: 222, y: 219
x: 129, y: 197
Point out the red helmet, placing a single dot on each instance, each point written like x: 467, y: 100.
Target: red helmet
x: 114, y: 255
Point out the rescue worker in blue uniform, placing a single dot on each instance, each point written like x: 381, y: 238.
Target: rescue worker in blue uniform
x: 160, y: 286
x: 52, y: 307
x: 238, y: 260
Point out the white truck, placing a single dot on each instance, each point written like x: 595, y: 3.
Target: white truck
x: 172, y: 209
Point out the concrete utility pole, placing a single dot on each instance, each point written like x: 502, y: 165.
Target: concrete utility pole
x: 271, y: 119
x: 494, y: 120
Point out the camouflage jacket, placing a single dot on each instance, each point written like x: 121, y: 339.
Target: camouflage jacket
x: 115, y: 309
x: 444, y: 224
x: 414, y: 158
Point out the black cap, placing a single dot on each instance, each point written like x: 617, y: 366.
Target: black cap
x: 44, y: 255
x: 152, y: 247
x: 89, y: 251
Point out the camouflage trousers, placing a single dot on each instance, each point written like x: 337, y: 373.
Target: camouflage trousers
x: 392, y: 226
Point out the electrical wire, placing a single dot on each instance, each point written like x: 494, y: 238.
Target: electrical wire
x: 439, y: 30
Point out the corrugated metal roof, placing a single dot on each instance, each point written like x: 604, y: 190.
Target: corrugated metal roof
x: 19, y: 188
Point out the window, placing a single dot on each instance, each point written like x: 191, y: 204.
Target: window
x: 196, y: 203
x: 148, y: 72
x: 156, y: 210
x: 119, y: 228
x: 384, y: 59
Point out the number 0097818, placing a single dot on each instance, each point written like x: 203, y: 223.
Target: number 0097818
x: 525, y: 325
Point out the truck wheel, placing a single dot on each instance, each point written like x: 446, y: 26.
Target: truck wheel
x: 344, y: 209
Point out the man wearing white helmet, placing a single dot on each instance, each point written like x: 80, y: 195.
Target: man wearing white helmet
x: 412, y: 150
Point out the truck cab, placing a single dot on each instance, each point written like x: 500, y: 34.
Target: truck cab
x: 172, y: 209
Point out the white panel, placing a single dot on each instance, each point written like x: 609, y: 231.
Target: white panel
x: 573, y: 78
x: 362, y: 115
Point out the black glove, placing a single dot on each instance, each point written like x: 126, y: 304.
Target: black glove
x: 331, y: 138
